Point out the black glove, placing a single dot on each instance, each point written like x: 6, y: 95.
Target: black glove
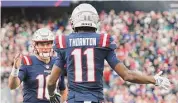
x: 55, y: 98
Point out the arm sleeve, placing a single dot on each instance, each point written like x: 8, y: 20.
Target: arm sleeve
x: 61, y: 84
x: 60, y: 62
x: 112, y: 59
x: 55, y: 44
x: 112, y: 44
x: 22, y: 73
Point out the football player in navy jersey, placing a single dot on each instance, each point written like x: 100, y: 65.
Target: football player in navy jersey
x: 84, y: 52
x: 33, y: 71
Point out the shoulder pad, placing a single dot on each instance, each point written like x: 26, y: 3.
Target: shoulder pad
x: 107, y: 41
x: 26, y: 60
x: 60, y: 41
x: 104, y: 40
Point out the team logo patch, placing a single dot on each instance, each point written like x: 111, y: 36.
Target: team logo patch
x: 47, y: 67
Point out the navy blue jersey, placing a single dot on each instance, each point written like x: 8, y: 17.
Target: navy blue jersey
x: 34, y: 73
x: 84, y: 55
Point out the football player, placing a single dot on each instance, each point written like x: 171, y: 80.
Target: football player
x: 34, y: 71
x: 84, y: 52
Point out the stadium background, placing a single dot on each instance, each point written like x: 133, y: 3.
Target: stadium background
x: 146, y: 33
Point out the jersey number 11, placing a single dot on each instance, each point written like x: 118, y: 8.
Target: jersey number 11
x: 89, y: 53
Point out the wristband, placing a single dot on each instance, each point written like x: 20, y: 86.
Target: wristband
x: 15, y: 72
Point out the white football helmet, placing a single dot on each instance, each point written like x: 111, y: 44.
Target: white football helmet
x: 41, y: 36
x: 84, y: 15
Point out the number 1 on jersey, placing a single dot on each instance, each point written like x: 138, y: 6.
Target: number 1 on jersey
x: 41, y: 87
x: 42, y: 91
x: 89, y: 53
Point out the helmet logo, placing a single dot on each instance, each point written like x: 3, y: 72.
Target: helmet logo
x: 44, y: 38
x: 87, y: 24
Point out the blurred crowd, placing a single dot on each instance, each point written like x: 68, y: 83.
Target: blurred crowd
x: 147, y: 43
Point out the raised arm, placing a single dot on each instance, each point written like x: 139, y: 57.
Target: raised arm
x: 53, y: 77
x: 14, y: 80
x: 133, y: 76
